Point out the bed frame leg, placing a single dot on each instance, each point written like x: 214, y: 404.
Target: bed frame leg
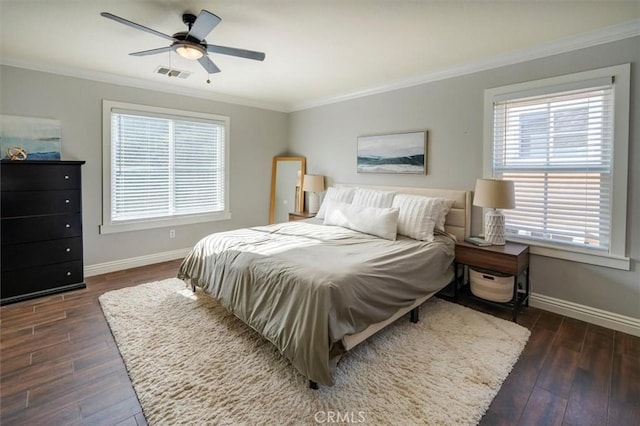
x: 415, y: 315
x: 313, y: 385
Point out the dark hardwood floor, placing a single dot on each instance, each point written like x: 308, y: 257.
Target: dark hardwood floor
x: 59, y: 365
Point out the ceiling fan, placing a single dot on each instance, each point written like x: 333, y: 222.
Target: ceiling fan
x: 191, y: 44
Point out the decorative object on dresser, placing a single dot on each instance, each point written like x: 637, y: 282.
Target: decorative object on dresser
x: 510, y: 259
x: 41, y: 220
x: 300, y: 216
x: 16, y: 153
x: 494, y: 194
x: 313, y: 184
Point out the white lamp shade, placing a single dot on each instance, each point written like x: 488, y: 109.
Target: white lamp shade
x: 495, y: 194
x: 313, y: 183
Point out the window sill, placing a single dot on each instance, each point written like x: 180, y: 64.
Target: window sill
x: 112, y: 228
x: 604, y: 259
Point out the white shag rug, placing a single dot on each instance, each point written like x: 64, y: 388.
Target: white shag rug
x: 191, y: 362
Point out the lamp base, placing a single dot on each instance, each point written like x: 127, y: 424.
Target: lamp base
x: 494, y: 227
x: 314, y: 202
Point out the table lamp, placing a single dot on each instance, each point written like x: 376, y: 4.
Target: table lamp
x: 494, y: 194
x: 313, y: 184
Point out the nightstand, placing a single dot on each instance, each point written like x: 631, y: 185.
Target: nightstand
x: 300, y: 216
x: 510, y: 259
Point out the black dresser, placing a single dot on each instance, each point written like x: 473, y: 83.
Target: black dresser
x: 40, y: 228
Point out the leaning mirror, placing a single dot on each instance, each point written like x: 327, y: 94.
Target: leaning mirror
x: 286, y: 187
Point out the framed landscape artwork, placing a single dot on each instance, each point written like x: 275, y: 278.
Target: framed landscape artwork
x: 39, y: 138
x: 393, y: 153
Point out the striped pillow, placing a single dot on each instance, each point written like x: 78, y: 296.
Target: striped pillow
x: 418, y: 215
x: 373, y: 198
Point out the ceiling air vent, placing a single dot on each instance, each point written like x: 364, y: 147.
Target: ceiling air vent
x: 171, y: 72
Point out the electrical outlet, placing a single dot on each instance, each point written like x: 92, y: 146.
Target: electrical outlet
x: 172, y: 233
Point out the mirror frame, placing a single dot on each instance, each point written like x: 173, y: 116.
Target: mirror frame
x: 274, y: 170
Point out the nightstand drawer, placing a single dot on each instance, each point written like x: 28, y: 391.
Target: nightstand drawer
x: 493, y: 259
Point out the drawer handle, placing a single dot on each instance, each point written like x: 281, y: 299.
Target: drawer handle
x: 66, y: 177
x: 66, y: 201
x: 68, y: 274
x: 68, y: 250
x: 67, y: 226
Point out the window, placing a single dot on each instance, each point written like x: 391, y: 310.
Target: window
x: 162, y: 167
x: 564, y: 142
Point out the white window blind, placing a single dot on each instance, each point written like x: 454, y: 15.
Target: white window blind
x: 558, y: 149
x: 164, y: 166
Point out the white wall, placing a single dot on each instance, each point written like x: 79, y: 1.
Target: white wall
x: 452, y: 111
x: 256, y: 136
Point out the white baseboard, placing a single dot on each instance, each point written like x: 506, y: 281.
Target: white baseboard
x: 134, y: 262
x: 588, y: 314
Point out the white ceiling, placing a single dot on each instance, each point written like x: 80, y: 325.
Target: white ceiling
x: 316, y: 50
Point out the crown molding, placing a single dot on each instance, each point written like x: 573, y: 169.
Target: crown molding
x: 139, y: 84
x: 593, y: 38
x: 567, y: 44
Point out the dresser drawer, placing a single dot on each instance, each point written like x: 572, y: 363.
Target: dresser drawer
x: 31, y: 280
x: 27, y: 255
x: 29, y: 203
x: 34, y: 177
x: 40, y: 228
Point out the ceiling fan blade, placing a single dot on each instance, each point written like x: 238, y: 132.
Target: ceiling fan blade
x: 208, y: 65
x: 242, y: 53
x: 151, y: 51
x: 134, y: 25
x: 205, y: 22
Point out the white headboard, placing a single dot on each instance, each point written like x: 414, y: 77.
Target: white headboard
x: 458, y: 220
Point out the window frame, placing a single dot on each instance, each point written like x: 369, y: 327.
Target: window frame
x: 616, y: 256
x: 108, y: 226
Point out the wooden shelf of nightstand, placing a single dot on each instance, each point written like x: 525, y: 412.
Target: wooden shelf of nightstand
x: 510, y: 259
x: 300, y: 216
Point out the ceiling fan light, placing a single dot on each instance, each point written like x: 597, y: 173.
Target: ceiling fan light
x: 190, y: 52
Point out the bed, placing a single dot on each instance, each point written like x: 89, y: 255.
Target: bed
x: 316, y: 291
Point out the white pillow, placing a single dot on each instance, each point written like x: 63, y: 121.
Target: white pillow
x: 339, y: 194
x: 446, y: 206
x: 418, y: 215
x: 373, y: 198
x: 382, y: 223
